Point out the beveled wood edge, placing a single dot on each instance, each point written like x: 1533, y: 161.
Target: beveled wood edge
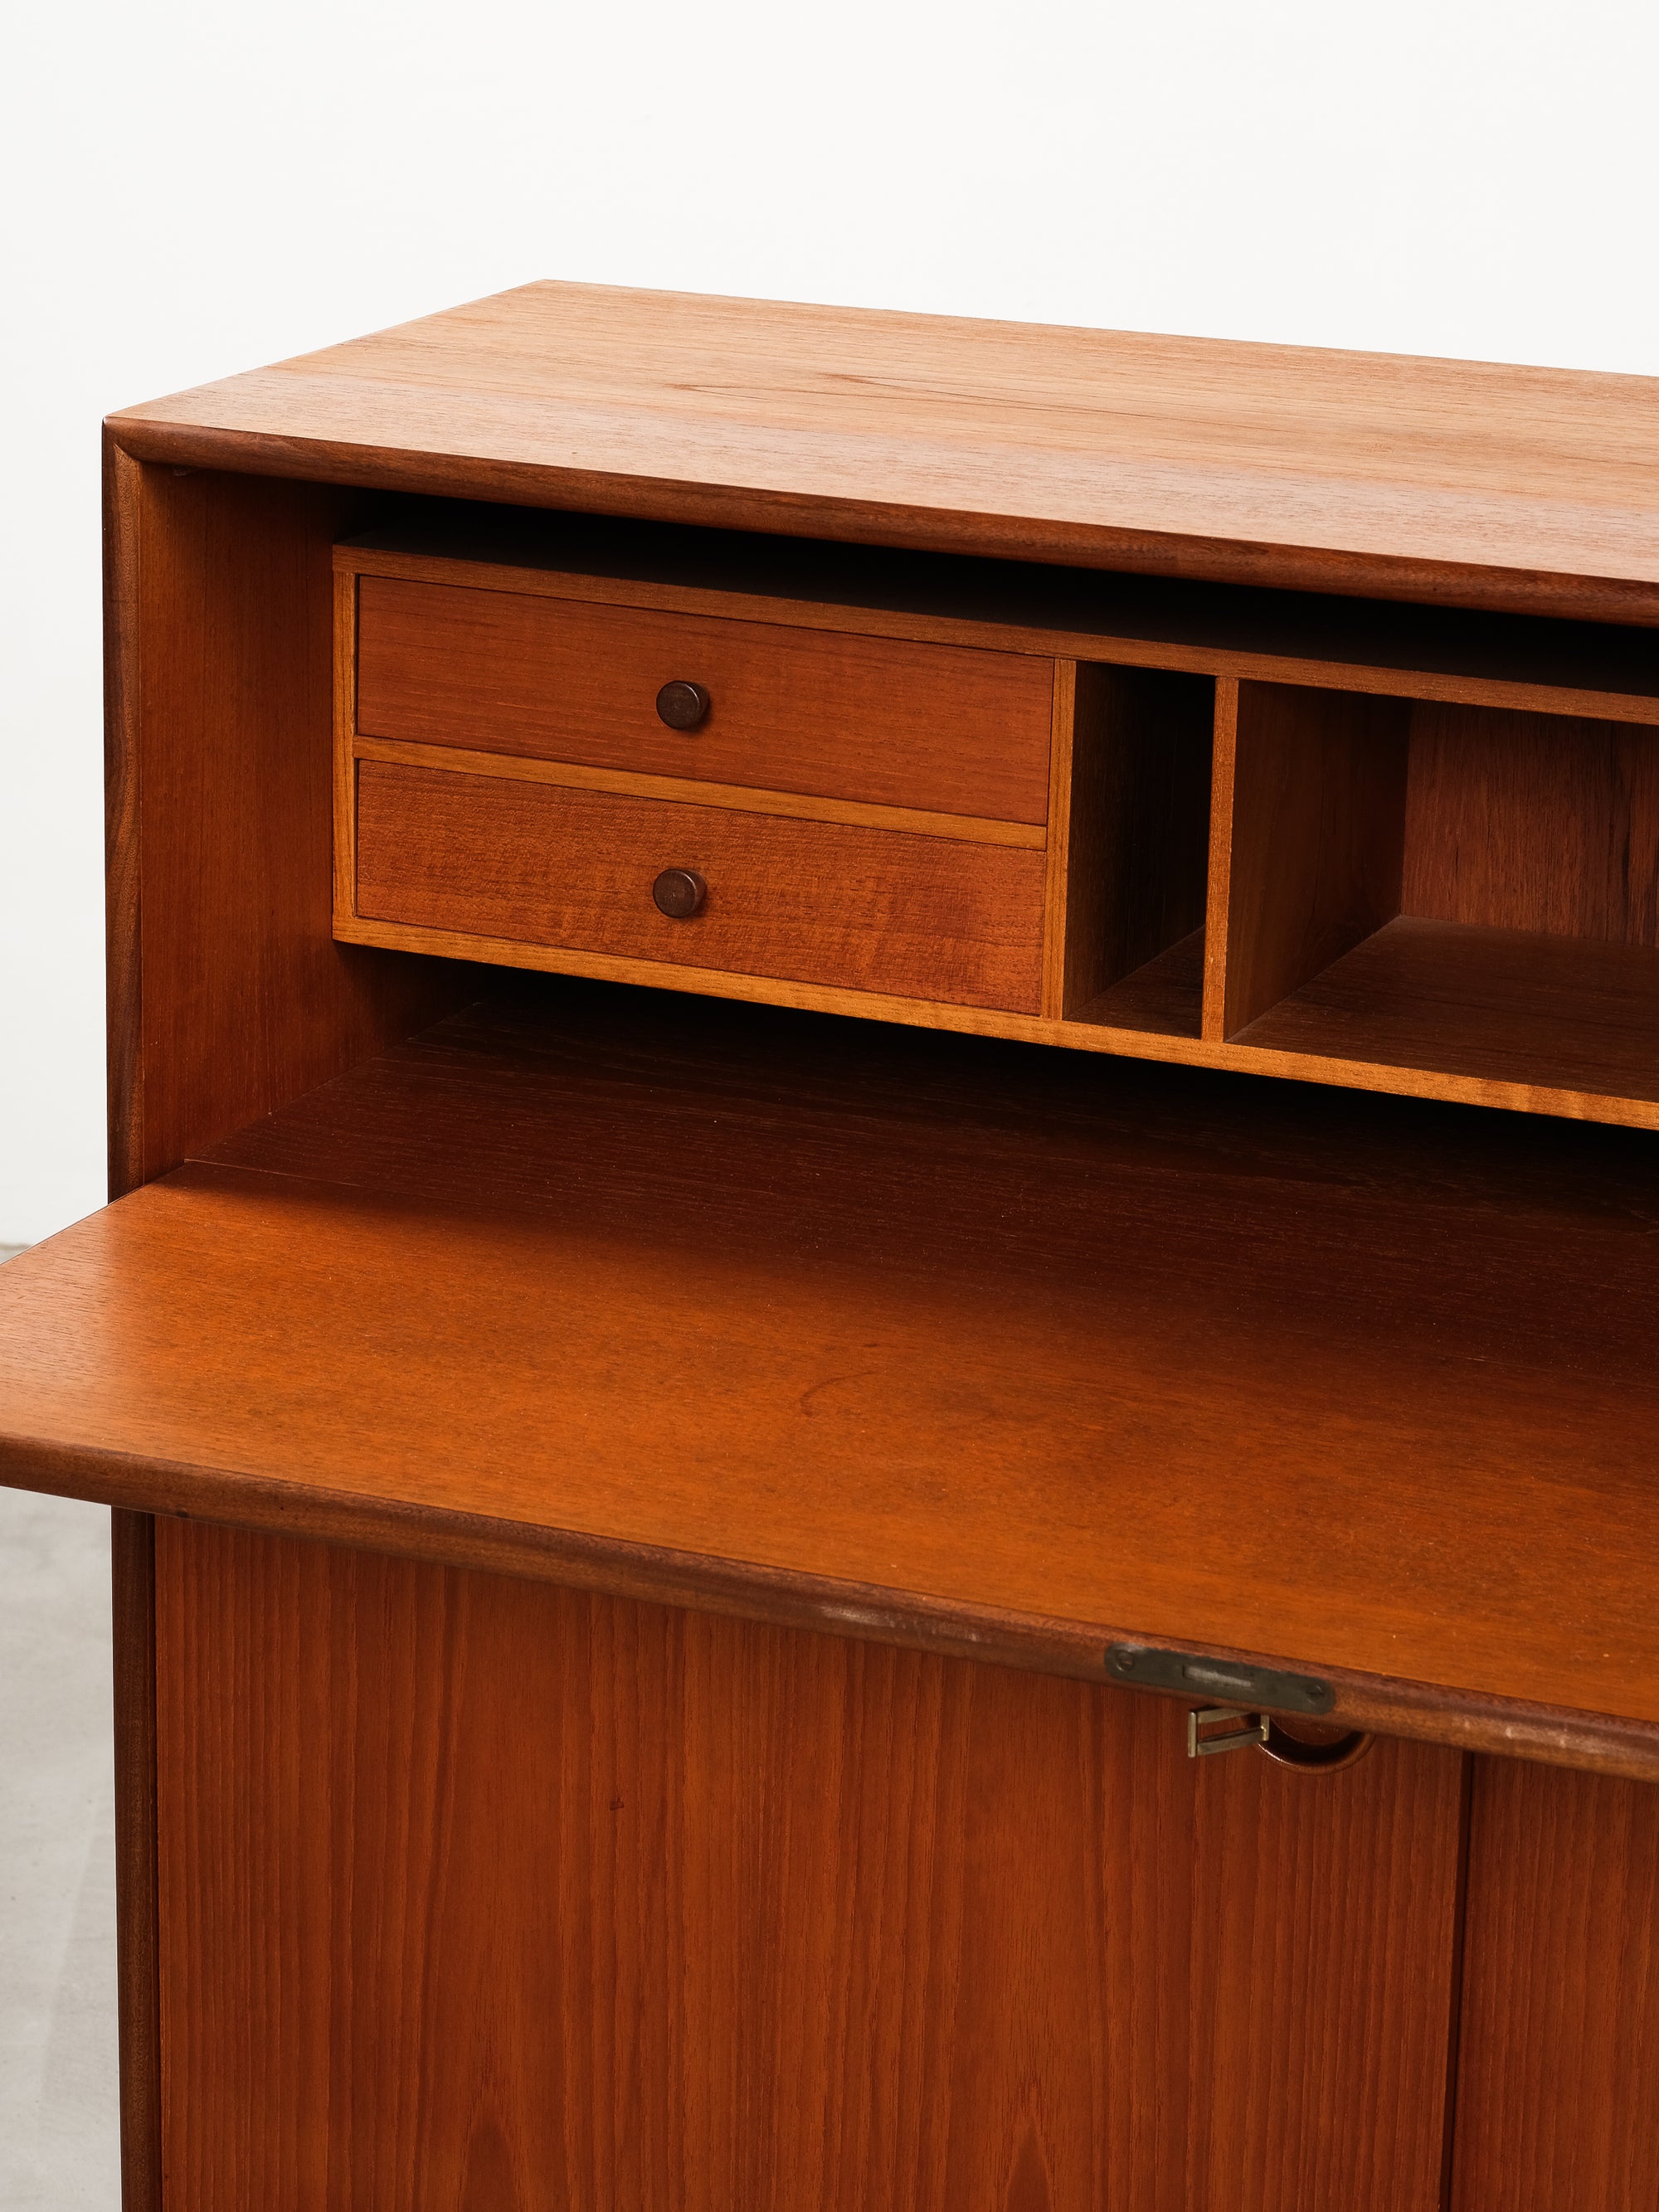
x: 1024, y: 1029
x: 1628, y: 602
x: 123, y: 911
x: 971, y: 632
x: 1468, y: 1720
x: 684, y: 790
x: 132, y: 1561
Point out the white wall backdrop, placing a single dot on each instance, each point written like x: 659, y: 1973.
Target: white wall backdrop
x: 191, y: 189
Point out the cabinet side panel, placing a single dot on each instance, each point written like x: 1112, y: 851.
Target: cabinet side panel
x: 124, y: 1065
x: 227, y: 994
x: 132, y: 1555
x: 1557, y: 2105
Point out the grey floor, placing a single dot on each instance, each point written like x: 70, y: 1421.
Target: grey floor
x: 58, y: 2136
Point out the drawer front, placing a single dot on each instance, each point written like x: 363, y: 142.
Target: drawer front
x: 806, y: 902
x: 945, y: 729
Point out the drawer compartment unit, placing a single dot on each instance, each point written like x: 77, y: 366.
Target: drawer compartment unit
x: 830, y: 903
x: 942, y: 729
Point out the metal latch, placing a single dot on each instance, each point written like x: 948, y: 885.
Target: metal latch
x: 1250, y: 1731
x: 1247, y: 1686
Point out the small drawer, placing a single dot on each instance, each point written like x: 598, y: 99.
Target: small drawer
x: 824, y: 902
x: 941, y: 728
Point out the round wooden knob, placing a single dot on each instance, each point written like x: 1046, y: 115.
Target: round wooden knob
x: 679, y: 892
x: 682, y: 706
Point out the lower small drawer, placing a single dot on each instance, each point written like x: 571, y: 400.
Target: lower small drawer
x: 857, y: 909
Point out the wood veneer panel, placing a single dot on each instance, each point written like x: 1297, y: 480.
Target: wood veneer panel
x: 1262, y: 464
x: 1559, y: 2040
x: 1139, y: 822
x: 1005, y: 1351
x: 1306, y: 834
x: 479, y: 1893
x: 1561, y: 1012
x: 944, y: 729
x: 228, y: 995
x: 1533, y: 822
x: 817, y: 901
x: 1350, y: 1896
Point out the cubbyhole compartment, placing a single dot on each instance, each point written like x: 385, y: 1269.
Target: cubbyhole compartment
x: 1136, y: 856
x: 1465, y: 891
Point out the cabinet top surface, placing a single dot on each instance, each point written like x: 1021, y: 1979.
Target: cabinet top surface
x: 1470, y: 483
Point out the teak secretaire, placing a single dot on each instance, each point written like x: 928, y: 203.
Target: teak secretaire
x: 870, y: 1079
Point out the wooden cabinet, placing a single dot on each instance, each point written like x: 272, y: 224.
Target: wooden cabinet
x: 773, y: 1125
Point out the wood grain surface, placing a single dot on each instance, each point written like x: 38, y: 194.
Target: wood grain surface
x: 1529, y: 488
x: 1306, y: 833
x: 483, y: 1894
x: 1533, y: 821
x: 1163, y: 997
x: 1560, y: 2015
x: 1351, y: 1896
x: 228, y: 995
x: 945, y: 729
x: 1139, y: 840
x: 929, y: 1340
x: 1476, y: 1003
x: 818, y: 902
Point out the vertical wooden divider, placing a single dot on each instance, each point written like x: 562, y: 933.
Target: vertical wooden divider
x: 1307, y: 840
x: 1056, y: 889
x: 1128, y: 798
x: 1219, y: 903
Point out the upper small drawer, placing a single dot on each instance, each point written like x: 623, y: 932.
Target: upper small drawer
x: 944, y: 728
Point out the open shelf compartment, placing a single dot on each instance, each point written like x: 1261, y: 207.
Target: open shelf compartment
x: 1135, y: 853
x: 1464, y: 890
